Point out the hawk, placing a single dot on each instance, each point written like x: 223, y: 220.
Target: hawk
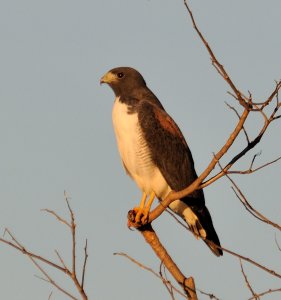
x: 155, y: 154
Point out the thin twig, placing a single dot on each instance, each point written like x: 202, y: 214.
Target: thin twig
x: 142, y: 266
x: 247, y: 282
x: 237, y: 114
x: 266, y: 293
x: 249, y: 260
x: 34, y: 257
x: 249, y: 207
x: 219, y: 67
x: 31, y: 254
x: 273, y: 94
x: 250, y: 170
x: 73, y: 234
x: 57, y: 216
x: 49, y: 279
x: 278, y: 246
x: 165, y: 281
x: 211, y: 296
x: 84, y: 264
x: 61, y: 260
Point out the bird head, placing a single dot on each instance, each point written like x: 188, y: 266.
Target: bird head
x: 123, y: 80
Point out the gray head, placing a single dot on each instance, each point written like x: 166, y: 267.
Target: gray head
x: 123, y: 80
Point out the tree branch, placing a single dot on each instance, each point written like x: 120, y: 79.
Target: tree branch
x: 266, y: 293
x: 247, y: 282
x: 186, y: 283
x: 249, y: 207
x: 35, y: 258
x: 142, y: 266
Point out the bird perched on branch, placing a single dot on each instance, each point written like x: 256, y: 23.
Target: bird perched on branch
x: 155, y: 153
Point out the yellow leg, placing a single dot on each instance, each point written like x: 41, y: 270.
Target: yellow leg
x: 143, y: 199
x: 149, y: 202
x: 144, y: 209
x: 139, y: 209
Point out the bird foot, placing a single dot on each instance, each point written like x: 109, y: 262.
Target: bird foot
x: 141, y: 215
x: 138, y: 217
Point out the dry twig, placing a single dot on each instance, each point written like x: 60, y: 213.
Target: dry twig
x: 85, y: 263
x: 249, y: 207
x: 159, y: 276
x: 247, y: 282
x: 278, y: 246
x: 266, y: 293
x: 63, y: 268
x: 33, y: 259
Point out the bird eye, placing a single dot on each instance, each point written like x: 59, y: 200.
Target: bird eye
x: 120, y: 75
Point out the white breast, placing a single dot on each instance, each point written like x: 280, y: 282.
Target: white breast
x: 134, y: 151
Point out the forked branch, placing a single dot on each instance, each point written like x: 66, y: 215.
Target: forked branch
x: 35, y: 258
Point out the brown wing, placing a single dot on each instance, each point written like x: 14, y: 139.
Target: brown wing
x: 167, y: 123
x: 168, y: 147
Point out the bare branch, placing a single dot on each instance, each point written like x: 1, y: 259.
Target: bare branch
x: 219, y: 67
x: 28, y: 253
x: 47, y: 276
x: 249, y: 207
x: 50, y: 295
x: 273, y: 94
x: 165, y: 281
x: 250, y: 146
x: 249, y: 260
x: 278, y: 246
x: 142, y: 266
x: 237, y: 114
x: 211, y: 296
x: 34, y: 257
x: 247, y: 282
x: 266, y: 293
x: 85, y: 262
x: 57, y: 216
x: 61, y: 260
x: 73, y: 234
x: 251, y: 170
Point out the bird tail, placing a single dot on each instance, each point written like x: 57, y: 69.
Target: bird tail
x: 200, y: 223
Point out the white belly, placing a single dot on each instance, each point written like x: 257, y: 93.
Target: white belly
x: 135, y: 153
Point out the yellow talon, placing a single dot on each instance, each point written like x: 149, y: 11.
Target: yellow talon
x: 142, y: 212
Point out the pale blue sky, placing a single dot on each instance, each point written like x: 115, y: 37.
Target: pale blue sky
x: 56, y: 135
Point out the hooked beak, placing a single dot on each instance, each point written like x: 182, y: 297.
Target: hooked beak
x: 107, y: 78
